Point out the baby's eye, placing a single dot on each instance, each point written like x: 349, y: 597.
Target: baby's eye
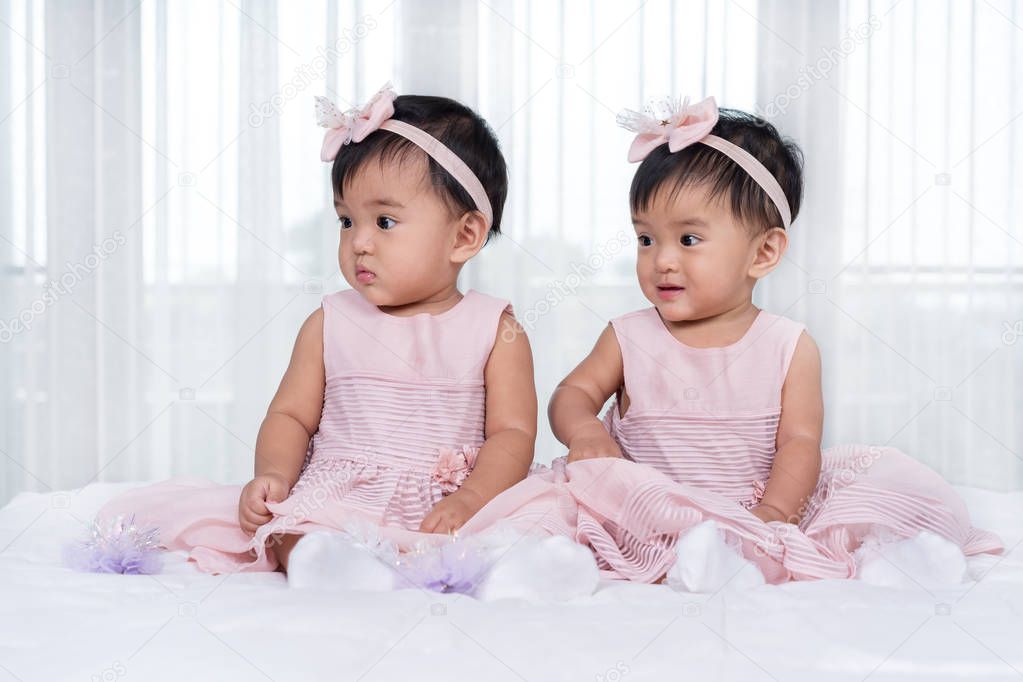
x: 385, y: 223
x: 345, y: 222
x: 645, y: 240
x: 690, y: 240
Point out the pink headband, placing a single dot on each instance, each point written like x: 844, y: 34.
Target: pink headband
x: 681, y: 126
x: 356, y: 124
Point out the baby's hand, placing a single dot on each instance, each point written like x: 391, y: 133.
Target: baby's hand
x: 252, y: 511
x: 593, y: 443
x: 452, y: 512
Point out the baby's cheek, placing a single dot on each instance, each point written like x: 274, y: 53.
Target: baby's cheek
x: 422, y: 270
x: 345, y: 258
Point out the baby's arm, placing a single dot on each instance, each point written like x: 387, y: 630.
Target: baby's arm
x: 510, y: 431
x: 797, y: 462
x: 291, y: 420
x: 578, y: 398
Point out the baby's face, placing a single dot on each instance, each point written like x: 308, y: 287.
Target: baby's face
x: 396, y: 235
x: 693, y: 257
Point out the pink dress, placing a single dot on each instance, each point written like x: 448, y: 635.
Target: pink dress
x: 402, y: 421
x: 698, y: 441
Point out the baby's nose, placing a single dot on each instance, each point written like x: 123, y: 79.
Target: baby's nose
x: 362, y: 240
x: 666, y: 262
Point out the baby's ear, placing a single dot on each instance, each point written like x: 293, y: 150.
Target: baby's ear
x: 771, y: 247
x: 470, y: 236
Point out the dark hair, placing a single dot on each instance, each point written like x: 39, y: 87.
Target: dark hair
x: 459, y: 128
x: 701, y: 166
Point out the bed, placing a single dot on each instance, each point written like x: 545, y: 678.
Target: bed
x: 181, y: 624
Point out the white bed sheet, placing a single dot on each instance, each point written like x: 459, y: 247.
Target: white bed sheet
x: 56, y: 624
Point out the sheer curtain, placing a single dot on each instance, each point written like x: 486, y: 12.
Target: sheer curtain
x: 907, y: 261
x: 165, y: 225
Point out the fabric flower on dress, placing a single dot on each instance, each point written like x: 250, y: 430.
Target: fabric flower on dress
x: 454, y: 466
x: 759, y: 488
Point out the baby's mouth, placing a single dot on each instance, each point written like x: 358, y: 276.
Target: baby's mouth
x: 666, y: 292
x: 364, y: 275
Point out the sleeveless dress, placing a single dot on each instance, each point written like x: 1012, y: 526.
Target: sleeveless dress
x: 698, y: 442
x: 402, y: 422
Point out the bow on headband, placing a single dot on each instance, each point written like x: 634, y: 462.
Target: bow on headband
x: 352, y: 125
x: 679, y: 125
x: 356, y: 124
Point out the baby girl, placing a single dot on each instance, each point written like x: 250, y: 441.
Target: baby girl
x: 404, y: 409
x: 710, y: 454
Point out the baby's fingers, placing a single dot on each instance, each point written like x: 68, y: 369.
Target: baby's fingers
x: 251, y: 518
x: 249, y: 525
x: 443, y: 521
x: 453, y: 524
x: 429, y: 522
x: 444, y: 525
x: 253, y: 498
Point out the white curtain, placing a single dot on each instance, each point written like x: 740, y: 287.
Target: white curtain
x: 165, y: 224
x: 907, y: 259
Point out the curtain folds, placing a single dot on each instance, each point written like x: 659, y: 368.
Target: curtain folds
x: 166, y: 226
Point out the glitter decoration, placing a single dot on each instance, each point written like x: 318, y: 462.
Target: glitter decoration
x: 457, y: 565
x: 656, y: 115
x: 116, y: 546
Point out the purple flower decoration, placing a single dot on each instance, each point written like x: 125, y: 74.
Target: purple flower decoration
x: 117, y: 546
x: 455, y: 566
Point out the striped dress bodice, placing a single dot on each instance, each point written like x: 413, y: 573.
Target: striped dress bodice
x: 703, y: 416
x: 404, y: 398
